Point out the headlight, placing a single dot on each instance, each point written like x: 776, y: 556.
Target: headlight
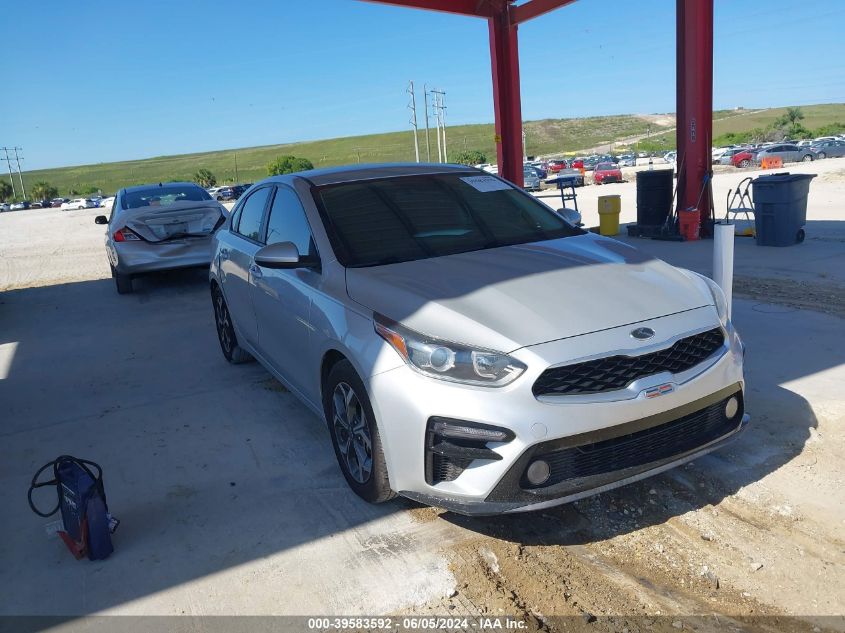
x: 718, y: 299
x: 449, y: 361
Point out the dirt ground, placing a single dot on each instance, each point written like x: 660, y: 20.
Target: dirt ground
x: 749, y: 538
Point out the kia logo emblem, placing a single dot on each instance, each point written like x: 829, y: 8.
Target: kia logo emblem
x: 642, y: 333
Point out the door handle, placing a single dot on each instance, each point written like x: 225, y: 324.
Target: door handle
x: 224, y: 253
x: 255, y: 271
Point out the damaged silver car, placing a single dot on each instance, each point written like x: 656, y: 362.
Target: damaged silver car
x: 159, y: 227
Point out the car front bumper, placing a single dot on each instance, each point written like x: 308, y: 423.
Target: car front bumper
x: 404, y: 401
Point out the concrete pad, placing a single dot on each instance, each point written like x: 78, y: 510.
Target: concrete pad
x: 229, y: 494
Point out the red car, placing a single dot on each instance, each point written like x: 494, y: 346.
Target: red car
x: 555, y: 166
x: 742, y: 159
x: 606, y: 172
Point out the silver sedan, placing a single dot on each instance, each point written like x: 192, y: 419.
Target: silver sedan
x: 159, y: 227
x: 467, y: 347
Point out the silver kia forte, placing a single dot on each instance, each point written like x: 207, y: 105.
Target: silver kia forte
x: 159, y: 227
x: 467, y: 347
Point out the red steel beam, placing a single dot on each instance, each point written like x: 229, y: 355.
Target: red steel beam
x: 534, y: 9
x: 476, y: 8
x: 504, y: 57
x: 695, y: 105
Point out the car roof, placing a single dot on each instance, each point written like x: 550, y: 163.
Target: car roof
x: 351, y: 173
x: 158, y: 184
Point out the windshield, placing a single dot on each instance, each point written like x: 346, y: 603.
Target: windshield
x: 163, y: 196
x: 393, y: 220
x: 605, y: 166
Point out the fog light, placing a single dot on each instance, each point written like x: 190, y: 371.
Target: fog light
x: 538, y: 472
x: 731, y: 407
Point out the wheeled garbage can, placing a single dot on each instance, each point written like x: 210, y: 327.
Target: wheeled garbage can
x: 780, y: 208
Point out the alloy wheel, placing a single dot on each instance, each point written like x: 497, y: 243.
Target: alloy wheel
x: 352, y: 432
x: 224, y: 322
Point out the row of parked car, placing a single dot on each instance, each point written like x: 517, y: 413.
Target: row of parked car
x: 788, y: 151
x: 228, y: 193
x: 65, y: 204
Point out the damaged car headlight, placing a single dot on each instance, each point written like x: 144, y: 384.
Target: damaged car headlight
x: 449, y: 361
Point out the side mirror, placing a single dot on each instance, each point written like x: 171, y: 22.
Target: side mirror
x: 571, y: 215
x: 101, y: 219
x: 282, y: 255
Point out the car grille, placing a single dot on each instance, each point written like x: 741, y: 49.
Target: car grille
x: 617, y: 372
x: 640, y: 448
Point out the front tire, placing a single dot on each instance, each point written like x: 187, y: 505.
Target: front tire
x: 744, y: 163
x: 355, y: 437
x: 233, y: 352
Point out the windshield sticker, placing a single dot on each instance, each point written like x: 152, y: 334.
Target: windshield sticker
x: 485, y: 184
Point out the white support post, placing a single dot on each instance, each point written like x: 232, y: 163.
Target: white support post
x: 723, y: 259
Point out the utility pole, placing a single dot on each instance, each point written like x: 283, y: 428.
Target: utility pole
x: 11, y: 179
x: 440, y: 114
x: 524, y: 147
x: 443, y: 124
x: 236, y: 168
x: 435, y: 107
x: 427, y: 141
x: 413, y: 121
x: 20, y: 175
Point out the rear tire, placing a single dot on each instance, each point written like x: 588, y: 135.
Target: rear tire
x: 233, y: 352
x: 355, y: 437
x: 123, y: 283
x: 744, y: 163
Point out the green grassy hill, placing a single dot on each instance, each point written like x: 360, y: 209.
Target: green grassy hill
x: 815, y: 116
x: 549, y: 136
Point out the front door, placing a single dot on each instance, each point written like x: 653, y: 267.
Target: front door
x: 282, y: 298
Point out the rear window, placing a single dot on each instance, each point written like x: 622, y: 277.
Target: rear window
x: 392, y: 220
x: 163, y: 196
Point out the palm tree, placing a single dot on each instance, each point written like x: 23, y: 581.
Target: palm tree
x: 6, y: 191
x: 793, y: 115
x: 44, y: 191
x: 204, y: 178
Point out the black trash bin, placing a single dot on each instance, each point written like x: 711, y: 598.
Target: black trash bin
x: 780, y: 208
x: 654, y: 196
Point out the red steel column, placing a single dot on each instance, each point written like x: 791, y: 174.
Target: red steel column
x: 694, y: 104
x: 504, y: 57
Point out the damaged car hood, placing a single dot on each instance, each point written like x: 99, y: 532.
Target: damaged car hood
x: 514, y: 296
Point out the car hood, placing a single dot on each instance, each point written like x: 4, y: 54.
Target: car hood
x: 511, y: 297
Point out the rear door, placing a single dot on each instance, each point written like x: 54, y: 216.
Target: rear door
x: 282, y: 298
x: 236, y: 253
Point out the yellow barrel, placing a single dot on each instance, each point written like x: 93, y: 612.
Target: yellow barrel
x: 609, y: 209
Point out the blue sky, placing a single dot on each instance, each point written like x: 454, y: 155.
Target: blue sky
x: 97, y: 81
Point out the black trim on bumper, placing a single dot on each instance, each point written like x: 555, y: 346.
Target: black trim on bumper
x: 509, y: 495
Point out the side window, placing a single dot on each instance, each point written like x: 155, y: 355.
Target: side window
x: 287, y: 222
x: 251, y: 214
